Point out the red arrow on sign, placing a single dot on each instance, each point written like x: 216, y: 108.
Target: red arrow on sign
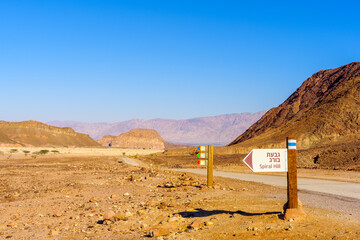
x: 248, y: 160
x: 201, y: 162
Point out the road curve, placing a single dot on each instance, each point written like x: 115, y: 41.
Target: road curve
x: 130, y: 161
x: 344, y: 189
x: 338, y: 196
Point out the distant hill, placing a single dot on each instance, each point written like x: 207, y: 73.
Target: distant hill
x: 136, y: 138
x: 217, y: 130
x: 324, y: 115
x: 37, y: 134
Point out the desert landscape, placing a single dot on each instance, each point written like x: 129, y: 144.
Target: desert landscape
x: 138, y: 186
x: 105, y: 198
x: 179, y: 120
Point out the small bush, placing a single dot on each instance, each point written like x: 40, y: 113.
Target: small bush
x: 26, y: 152
x: 55, y: 151
x: 14, y: 150
x: 41, y: 152
x: 124, y: 153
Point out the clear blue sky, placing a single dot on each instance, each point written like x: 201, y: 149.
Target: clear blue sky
x: 117, y: 60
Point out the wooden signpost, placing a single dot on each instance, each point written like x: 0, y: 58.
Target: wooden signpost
x: 206, y: 153
x: 292, y: 208
x: 279, y: 160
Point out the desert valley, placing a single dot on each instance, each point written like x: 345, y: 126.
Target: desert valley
x: 139, y: 179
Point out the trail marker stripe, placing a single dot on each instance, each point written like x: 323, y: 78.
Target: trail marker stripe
x: 291, y: 144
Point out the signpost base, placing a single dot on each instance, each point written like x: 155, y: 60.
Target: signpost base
x: 293, y: 212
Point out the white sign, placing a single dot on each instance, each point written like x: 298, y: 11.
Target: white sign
x: 267, y: 160
x: 202, y: 155
x: 202, y: 148
x: 202, y: 162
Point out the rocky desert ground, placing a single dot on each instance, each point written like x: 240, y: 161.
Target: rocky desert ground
x: 101, y: 197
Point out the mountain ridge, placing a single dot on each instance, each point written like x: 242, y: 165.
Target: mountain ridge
x: 37, y: 134
x: 323, y: 114
x: 311, y: 94
x: 218, y: 130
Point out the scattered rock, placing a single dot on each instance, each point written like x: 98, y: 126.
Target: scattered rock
x: 57, y: 214
x: 208, y: 223
x: 108, y: 215
x: 11, y: 224
x: 194, y: 225
x: 158, y: 232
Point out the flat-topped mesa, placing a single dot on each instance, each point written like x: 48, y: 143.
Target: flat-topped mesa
x: 135, y: 138
x: 326, y: 107
x: 39, y: 125
x: 33, y: 133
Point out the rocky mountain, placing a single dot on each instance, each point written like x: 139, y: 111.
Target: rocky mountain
x: 217, y: 130
x: 37, y: 134
x: 135, y: 138
x: 324, y: 115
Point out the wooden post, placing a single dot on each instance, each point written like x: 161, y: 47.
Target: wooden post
x: 210, y: 166
x: 292, y: 173
x: 293, y: 207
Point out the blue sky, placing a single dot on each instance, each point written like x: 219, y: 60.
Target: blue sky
x: 105, y: 61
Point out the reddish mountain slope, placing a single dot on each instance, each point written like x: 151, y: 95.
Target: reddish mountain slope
x: 323, y: 112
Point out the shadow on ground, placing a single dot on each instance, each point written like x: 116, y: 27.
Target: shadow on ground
x: 205, y: 213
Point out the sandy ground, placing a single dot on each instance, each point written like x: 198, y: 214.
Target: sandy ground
x: 33, y: 152
x: 76, y: 198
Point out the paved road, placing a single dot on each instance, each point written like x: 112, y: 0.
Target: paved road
x: 339, y: 196
x: 351, y: 190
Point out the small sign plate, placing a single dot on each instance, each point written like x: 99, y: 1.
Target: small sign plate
x: 267, y: 160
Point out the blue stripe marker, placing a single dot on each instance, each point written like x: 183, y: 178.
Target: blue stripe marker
x: 291, y: 144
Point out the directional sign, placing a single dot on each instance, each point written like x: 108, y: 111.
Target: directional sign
x: 202, y: 155
x: 267, y: 160
x: 202, y: 162
x: 203, y: 152
x: 202, y: 148
x: 206, y: 155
